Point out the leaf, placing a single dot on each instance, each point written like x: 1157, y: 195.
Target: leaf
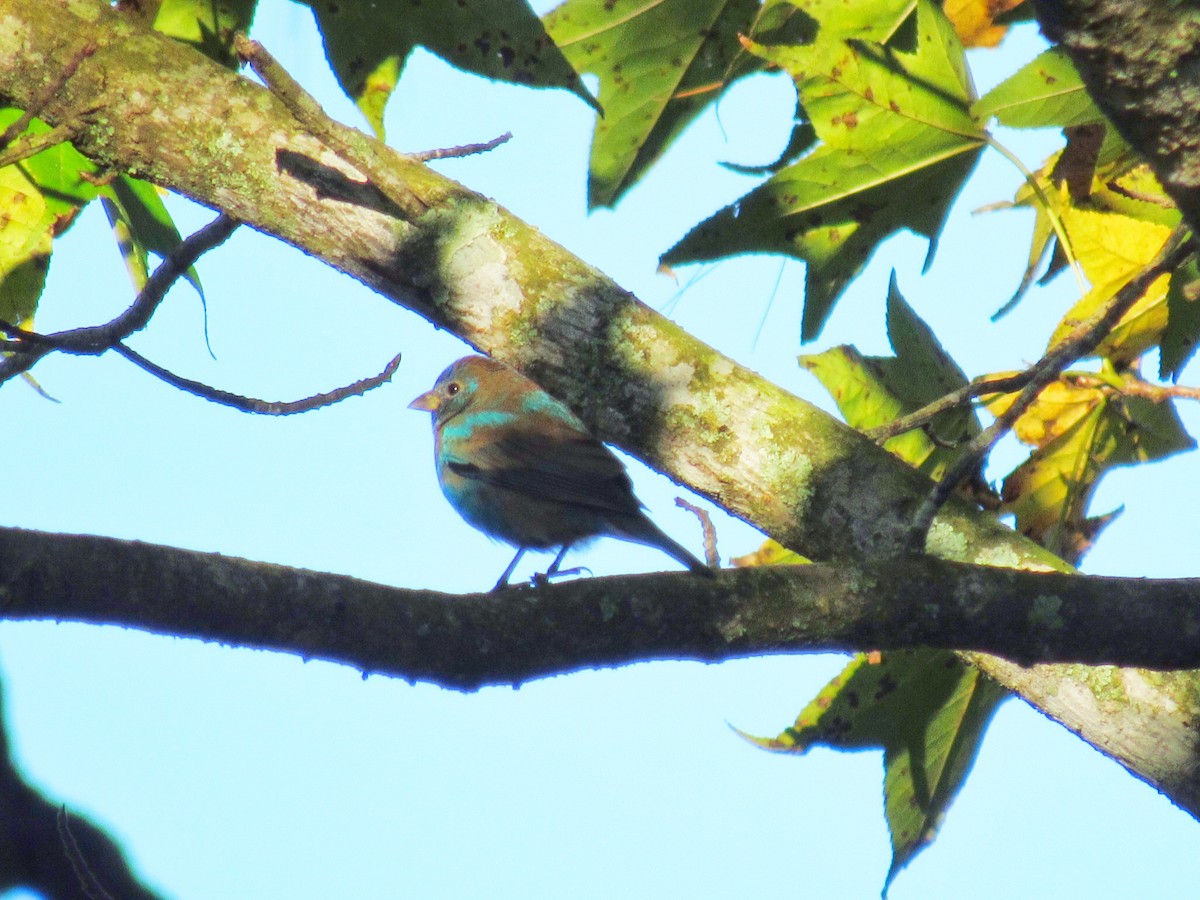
x: 975, y: 20
x: 39, y: 199
x: 1182, y: 331
x: 660, y: 63
x: 143, y: 226
x: 1081, y: 427
x: 928, y: 712
x: 771, y: 553
x: 367, y: 44
x: 208, y: 25
x: 1113, y: 248
x: 26, y: 235
x: 60, y: 174
x: 873, y: 391
x: 1044, y: 93
x: 897, y: 144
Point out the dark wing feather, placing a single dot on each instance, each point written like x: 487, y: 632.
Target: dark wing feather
x: 555, y: 461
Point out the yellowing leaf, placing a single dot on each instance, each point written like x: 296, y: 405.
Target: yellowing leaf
x: 1112, y: 248
x: 25, y: 240
x: 1058, y: 408
x: 975, y: 20
x: 1084, y: 427
x: 771, y: 553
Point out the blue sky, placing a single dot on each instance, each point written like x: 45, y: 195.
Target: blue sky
x: 241, y: 774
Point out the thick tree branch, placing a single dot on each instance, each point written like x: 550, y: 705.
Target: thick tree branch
x: 1140, y: 61
x: 638, y: 380
x: 466, y: 642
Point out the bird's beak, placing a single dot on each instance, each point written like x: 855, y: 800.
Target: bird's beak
x: 428, y: 401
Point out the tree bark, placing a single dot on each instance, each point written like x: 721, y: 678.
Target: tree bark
x: 146, y: 105
x: 466, y: 642
x: 1140, y: 61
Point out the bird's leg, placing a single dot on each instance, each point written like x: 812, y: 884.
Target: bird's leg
x: 503, y: 582
x: 554, y: 571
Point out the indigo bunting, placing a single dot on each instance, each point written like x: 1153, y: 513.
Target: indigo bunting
x: 520, y: 466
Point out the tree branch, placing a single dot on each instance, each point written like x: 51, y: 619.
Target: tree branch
x: 467, y: 642
x: 96, y: 339
x: 636, y: 379
x: 1138, y: 61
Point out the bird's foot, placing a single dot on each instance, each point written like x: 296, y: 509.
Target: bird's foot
x: 542, y: 578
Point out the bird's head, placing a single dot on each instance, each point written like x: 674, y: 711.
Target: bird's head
x: 456, y: 388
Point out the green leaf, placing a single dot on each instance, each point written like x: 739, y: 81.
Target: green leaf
x: 660, y: 63
x: 927, y: 370
x: 39, y: 199
x: 143, y: 226
x: 208, y: 25
x: 897, y: 145
x: 1179, y: 338
x: 26, y: 236
x: 1045, y: 93
x: 367, y: 44
x: 873, y: 391
x: 928, y: 712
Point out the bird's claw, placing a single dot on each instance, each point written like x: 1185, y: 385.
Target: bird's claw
x: 542, y: 578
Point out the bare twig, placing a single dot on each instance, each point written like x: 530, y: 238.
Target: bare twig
x: 463, y: 150
x: 352, y: 146
x: 47, y: 93
x: 28, y: 145
x: 978, y: 387
x: 252, y: 405
x: 1141, y: 196
x: 93, y: 340
x: 711, y: 557
x: 1079, y: 343
x: 1155, y: 393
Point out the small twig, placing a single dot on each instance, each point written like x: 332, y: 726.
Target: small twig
x: 463, y: 150
x: 1155, y: 393
x: 352, y: 146
x: 1141, y: 196
x: 1079, y: 343
x: 984, y: 384
x: 47, y: 93
x: 28, y: 145
x: 96, y: 339
x: 251, y: 404
x: 711, y: 557
x: 89, y: 884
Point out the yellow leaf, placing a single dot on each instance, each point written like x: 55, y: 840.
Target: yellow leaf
x: 1112, y: 248
x: 771, y: 553
x: 975, y: 20
x: 1056, y: 410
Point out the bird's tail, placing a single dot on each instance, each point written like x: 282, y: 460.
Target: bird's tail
x: 642, y: 531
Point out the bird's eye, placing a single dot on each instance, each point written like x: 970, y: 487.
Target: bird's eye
x: 453, y: 388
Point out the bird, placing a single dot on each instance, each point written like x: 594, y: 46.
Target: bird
x: 518, y: 465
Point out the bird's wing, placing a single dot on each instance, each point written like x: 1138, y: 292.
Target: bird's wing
x: 551, y: 460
